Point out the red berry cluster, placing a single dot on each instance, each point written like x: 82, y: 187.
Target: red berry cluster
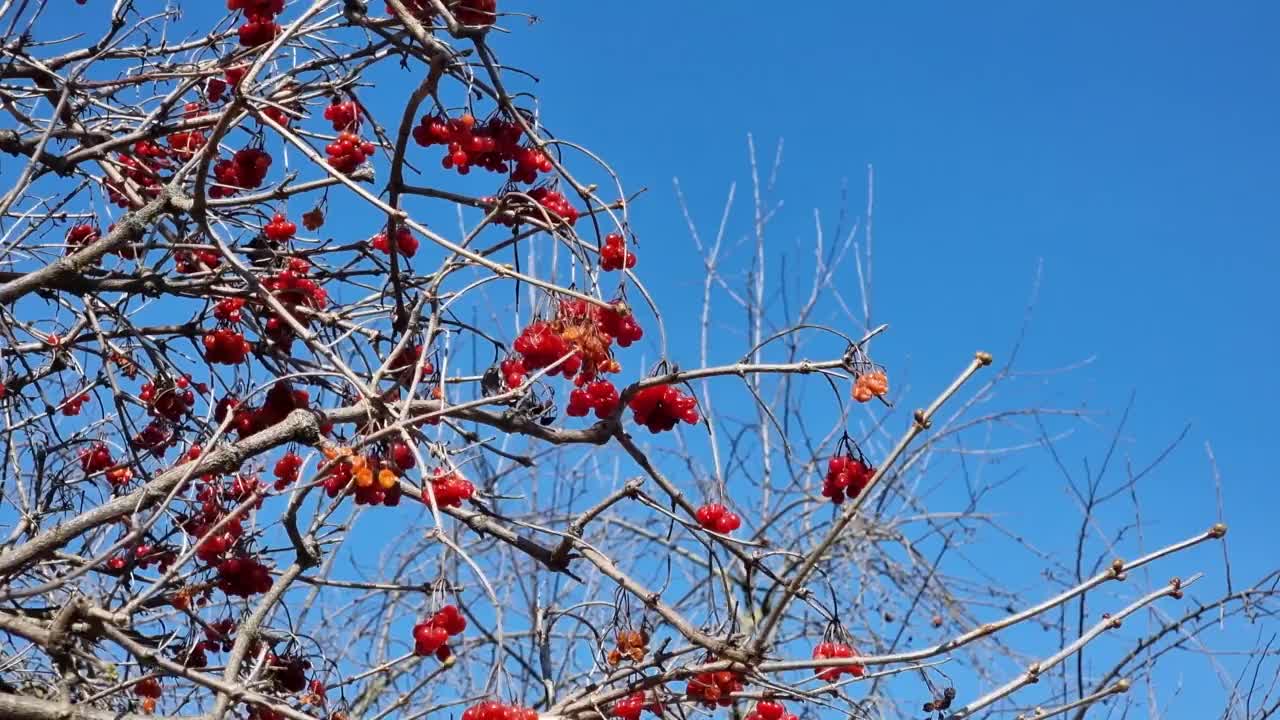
x: 770, y: 710
x: 555, y: 202
x: 217, y: 638
x: 829, y: 650
x: 401, y: 456
x: 660, y: 407
x: 155, y: 438
x: 149, y: 690
x: 714, y: 688
x: 588, y: 331
x: 260, y: 25
x: 286, y: 470
x: 540, y: 345
x: 348, y: 152
x: 168, y: 399
x: 630, y: 707
x: 615, y: 255
x: 226, y: 346
x: 243, y: 576
x: 493, y: 146
x: 404, y: 365
x: 280, y: 400
x: 450, y: 488
x: 229, y: 310
x: 142, y: 167
x: 96, y: 458
x: 406, y: 243
x: 288, y: 673
x: 188, y: 261
x: 244, y: 171
x: 279, y: 229
x: 598, y: 395
x: 513, y: 372
x: 72, y: 405
x: 846, y: 477
x: 184, y: 143
x: 144, y: 556
x: 493, y: 710
x: 293, y: 287
x: 467, y: 12
x: 345, y: 116
x: 431, y: 636
x: 80, y: 235
x: 718, y: 518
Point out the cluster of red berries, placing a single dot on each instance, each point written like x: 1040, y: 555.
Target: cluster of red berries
x: 155, y: 438
x: 148, y: 688
x: 630, y: 707
x: 72, y: 405
x: 245, y: 170
x: 401, y: 456
x: 216, y: 87
x: 228, y: 310
x: 615, y: 255
x: 540, y: 345
x: 279, y: 230
x: 293, y: 287
x: 97, y: 457
x: 829, y: 650
x: 555, y: 202
x: 217, y: 638
x: 280, y: 400
x: 584, y: 332
x: 260, y: 26
x: 286, y: 470
x: 80, y: 235
x: 406, y: 243
x: 144, y: 556
x: 431, y: 636
x: 243, y: 577
x: 168, y: 399
x: 345, y: 116
x: 190, y: 261
x: 467, y: 12
x: 405, y: 363
x: 226, y: 346
x: 769, y: 710
x: 185, y: 143
x: 142, y: 167
x: 718, y: 518
x: 660, y: 407
x: 493, y: 146
x: 348, y: 152
x: 371, y: 488
x: 494, y: 710
x: 846, y: 477
x: 598, y: 395
x: 714, y: 688
x: 288, y: 673
x: 450, y: 488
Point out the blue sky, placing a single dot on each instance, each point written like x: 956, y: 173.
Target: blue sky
x: 1132, y: 147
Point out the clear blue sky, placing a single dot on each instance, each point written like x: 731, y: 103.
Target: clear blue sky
x: 1134, y: 147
